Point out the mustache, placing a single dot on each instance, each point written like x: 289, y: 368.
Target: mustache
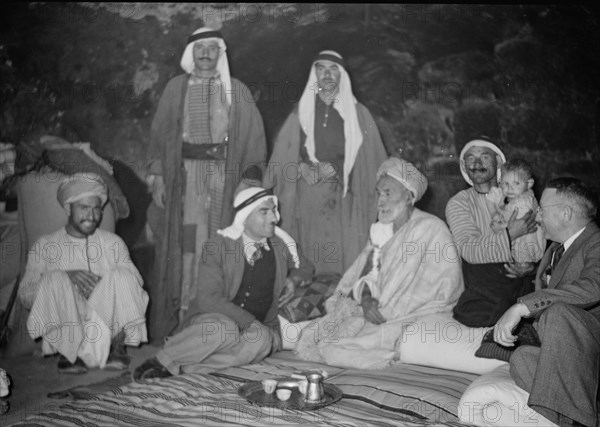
x: 481, y: 169
x: 93, y: 221
x: 204, y: 57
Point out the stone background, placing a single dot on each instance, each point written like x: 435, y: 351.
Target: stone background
x: 433, y: 76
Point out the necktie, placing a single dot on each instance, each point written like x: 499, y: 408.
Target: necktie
x: 557, y: 255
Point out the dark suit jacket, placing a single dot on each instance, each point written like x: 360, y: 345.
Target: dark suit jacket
x: 576, y: 278
x: 220, y: 277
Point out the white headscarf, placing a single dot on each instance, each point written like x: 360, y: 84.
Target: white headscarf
x: 187, y: 59
x: 235, y: 230
x: 344, y: 103
x: 500, y: 159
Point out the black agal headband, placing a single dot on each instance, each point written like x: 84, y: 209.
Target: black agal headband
x: 205, y: 35
x: 330, y: 57
x: 253, y: 199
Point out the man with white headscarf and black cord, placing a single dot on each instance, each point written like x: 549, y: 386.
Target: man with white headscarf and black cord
x: 248, y: 271
x: 206, y: 134
x: 323, y: 168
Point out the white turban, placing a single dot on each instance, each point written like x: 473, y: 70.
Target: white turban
x: 187, y: 59
x: 500, y: 159
x: 79, y: 186
x: 406, y: 173
x: 344, y: 103
x: 250, y: 199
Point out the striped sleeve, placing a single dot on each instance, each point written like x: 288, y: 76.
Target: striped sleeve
x: 469, y: 222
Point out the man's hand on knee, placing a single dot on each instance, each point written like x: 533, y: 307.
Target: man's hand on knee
x: 371, y: 311
x: 503, y: 330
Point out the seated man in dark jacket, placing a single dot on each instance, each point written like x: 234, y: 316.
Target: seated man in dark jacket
x: 247, y: 271
x: 562, y: 375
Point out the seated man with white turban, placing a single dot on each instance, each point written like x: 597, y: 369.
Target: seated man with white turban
x: 248, y: 270
x: 85, y: 294
x: 410, y: 267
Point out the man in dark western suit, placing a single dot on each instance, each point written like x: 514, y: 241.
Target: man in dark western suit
x: 562, y: 375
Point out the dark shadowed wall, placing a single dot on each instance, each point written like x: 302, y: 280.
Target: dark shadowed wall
x: 433, y: 76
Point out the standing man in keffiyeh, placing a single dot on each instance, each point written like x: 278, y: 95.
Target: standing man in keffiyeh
x: 205, y: 135
x: 85, y: 294
x: 248, y: 271
x: 323, y: 168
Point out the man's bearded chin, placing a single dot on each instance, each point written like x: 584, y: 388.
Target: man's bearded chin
x: 91, y: 225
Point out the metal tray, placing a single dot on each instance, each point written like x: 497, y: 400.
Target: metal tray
x: 254, y: 393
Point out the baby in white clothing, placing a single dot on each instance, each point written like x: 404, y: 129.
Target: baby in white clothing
x: 515, y: 193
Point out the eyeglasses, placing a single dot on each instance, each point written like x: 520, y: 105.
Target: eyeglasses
x: 541, y: 208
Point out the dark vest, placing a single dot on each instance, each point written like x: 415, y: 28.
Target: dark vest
x: 329, y: 139
x: 256, y: 290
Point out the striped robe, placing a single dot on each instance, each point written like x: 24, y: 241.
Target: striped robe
x: 68, y: 323
x: 469, y: 220
x: 488, y: 291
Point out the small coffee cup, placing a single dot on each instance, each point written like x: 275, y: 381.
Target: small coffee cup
x: 283, y: 394
x: 269, y: 386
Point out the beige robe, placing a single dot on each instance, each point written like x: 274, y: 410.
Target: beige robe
x: 67, y: 322
x: 420, y: 273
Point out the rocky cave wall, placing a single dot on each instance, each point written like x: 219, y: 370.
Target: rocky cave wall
x: 433, y: 76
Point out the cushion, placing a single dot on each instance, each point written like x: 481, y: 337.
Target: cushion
x: 309, y: 301
x: 494, y: 399
x: 526, y: 335
x: 440, y: 341
x: 290, y: 332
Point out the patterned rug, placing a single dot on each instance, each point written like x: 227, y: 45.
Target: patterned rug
x: 88, y: 391
x: 405, y: 396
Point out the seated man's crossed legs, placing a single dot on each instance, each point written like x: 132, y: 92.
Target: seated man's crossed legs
x: 208, y: 342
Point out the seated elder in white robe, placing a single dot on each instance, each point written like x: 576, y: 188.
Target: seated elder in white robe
x: 85, y: 294
x: 409, y: 267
